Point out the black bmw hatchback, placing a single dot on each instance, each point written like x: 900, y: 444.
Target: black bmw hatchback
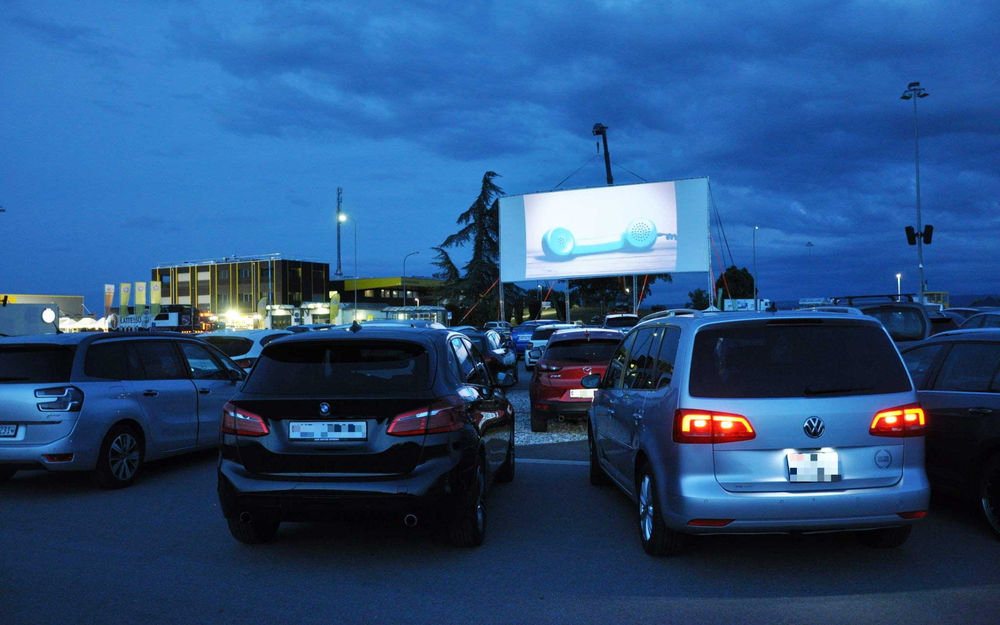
x: 385, y: 421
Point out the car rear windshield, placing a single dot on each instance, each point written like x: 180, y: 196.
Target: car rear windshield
x: 582, y: 350
x: 621, y: 322
x: 784, y: 360
x: 340, y: 368
x: 36, y: 363
x: 231, y: 345
x: 904, y: 323
x: 542, y: 333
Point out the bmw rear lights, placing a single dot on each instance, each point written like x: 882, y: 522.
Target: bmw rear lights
x: 899, y: 422
x: 242, y: 422
x: 60, y: 399
x: 445, y: 417
x: 698, y: 426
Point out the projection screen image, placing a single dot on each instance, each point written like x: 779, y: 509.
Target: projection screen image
x: 658, y: 227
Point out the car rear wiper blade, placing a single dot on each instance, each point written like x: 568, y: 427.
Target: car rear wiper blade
x: 809, y: 390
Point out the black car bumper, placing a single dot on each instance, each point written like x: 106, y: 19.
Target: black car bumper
x: 429, y: 488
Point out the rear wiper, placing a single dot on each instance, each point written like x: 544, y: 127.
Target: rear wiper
x: 830, y: 391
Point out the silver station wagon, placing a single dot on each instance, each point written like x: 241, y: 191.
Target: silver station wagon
x: 775, y: 422
x: 107, y: 403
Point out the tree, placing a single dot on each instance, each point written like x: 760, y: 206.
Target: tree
x: 735, y: 283
x: 473, y: 292
x: 699, y: 299
x: 609, y: 291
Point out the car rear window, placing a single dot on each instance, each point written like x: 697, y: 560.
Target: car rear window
x: 808, y: 360
x: 543, y: 333
x: 902, y: 322
x: 36, y: 363
x: 621, y: 322
x: 231, y: 345
x: 582, y: 350
x: 340, y: 367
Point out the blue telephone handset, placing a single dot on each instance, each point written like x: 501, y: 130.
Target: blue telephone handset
x: 559, y: 243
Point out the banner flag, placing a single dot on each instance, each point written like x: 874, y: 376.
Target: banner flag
x: 140, y: 298
x: 154, y: 298
x: 124, y: 297
x: 109, y: 298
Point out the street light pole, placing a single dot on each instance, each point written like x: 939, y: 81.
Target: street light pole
x: 899, y: 290
x: 756, y: 308
x: 354, y: 222
x: 404, y: 275
x: 914, y: 92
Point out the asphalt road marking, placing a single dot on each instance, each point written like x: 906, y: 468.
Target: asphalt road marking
x: 576, y: 463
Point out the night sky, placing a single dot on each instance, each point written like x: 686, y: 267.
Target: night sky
x: 146, y: 133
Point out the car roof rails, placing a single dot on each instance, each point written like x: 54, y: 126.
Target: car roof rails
x: 891, y: 297
x: 673, y: 312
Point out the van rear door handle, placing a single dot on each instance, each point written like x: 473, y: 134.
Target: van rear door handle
x: 150, y: 392
x: 204, y: 391
x: 981, y: 411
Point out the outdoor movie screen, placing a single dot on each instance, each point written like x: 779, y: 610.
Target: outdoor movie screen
x: 656, y: 227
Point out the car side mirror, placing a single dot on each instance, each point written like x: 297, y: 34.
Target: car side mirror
x: 236, y: 376
x: 535, y: 353
x: 590, y: 381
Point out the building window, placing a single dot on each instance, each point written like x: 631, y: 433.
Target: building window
x: 223, y: 274
x: 369, y: 293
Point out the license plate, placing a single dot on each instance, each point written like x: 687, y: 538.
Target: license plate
x: 581, y: 393
x: 813, y: 466
x: 328, y: 430
x: 8, y: 430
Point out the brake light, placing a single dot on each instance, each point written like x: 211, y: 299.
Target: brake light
x: 242, y: 422
x: 443, y: 417
x: 548, y: 367
x: 59, y: 399
x: 698, y: 426
x: 901, y: 421
x: 245, y: 363
x: 914, y: 514
x: 709, y: 522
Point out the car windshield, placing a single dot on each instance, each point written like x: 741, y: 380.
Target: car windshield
x: 35, y: 363
x: 340, y: 367
x: 621, y: 322
x: 807, y: 360
x: 582, y: 351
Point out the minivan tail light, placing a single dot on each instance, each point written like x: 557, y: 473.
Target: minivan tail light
x: 699, y: 426
x: 901, y: 421
x: 442, y: 417
x: 59, y: 399
x: 242, y: 422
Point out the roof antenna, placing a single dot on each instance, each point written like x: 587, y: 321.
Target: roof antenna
x: 355, y: 326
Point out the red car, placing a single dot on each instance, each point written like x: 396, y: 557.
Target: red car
x: 555, y: 389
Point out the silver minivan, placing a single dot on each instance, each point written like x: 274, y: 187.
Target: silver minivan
x: 108, y: 402
x: 745, y: 423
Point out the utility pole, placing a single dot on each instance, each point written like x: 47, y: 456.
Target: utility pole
x: 340, y: 194
x: 921, y: 236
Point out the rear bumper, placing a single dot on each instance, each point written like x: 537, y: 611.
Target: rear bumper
x: 83, y: 445
x: 819, y: 511
x: 428, y: 488
x: 577, y: 408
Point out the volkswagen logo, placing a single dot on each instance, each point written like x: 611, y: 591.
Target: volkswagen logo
x: 324, y: 408
x: 814, y: 427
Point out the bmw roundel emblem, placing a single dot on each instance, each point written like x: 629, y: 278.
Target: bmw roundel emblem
x: 324, y: 408
x: 814, y: 427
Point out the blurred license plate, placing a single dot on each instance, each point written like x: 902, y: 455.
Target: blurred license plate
x: 581, y: 393
x: 813, y: 466
x: 8, y: 429
x: 328, y: 430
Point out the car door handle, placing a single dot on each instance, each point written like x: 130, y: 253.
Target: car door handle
x: 637, y: 416
x: 204, y: 391
x: 150, y: 393
x: 981, y: 411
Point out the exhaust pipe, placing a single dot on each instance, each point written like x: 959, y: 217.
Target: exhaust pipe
x: 246, y: 518
x: 410, y: 520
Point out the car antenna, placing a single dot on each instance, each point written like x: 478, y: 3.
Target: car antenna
x: 355, y: 326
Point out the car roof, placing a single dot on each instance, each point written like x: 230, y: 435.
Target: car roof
x: 77, y: 338
x: 699, y: 318
x: 979, y: 334
x: 248, y: 334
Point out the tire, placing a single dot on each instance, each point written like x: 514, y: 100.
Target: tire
x: 6, y: 473
x: 539, y: 422
x: 656, y: 538
x: 120, y: 458
x: 885, y: 538
x: 597, y: 475
x: 467, y: 527
x: 260, y: 529
x: 989, y: 493
x: 505, y: 474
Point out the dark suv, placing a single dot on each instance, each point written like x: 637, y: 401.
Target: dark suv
x: 395, y: 421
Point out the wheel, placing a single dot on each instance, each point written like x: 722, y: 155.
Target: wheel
x: 656, y: 538
x: 120, y: 457
x: 885, y: 538
x: 597, y: 475
x: 989, y: 493
x: 539, y: 422
x: 467, y: 527
x: 6, y: 473
x: 258, y: 528
x: 505, y: 473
